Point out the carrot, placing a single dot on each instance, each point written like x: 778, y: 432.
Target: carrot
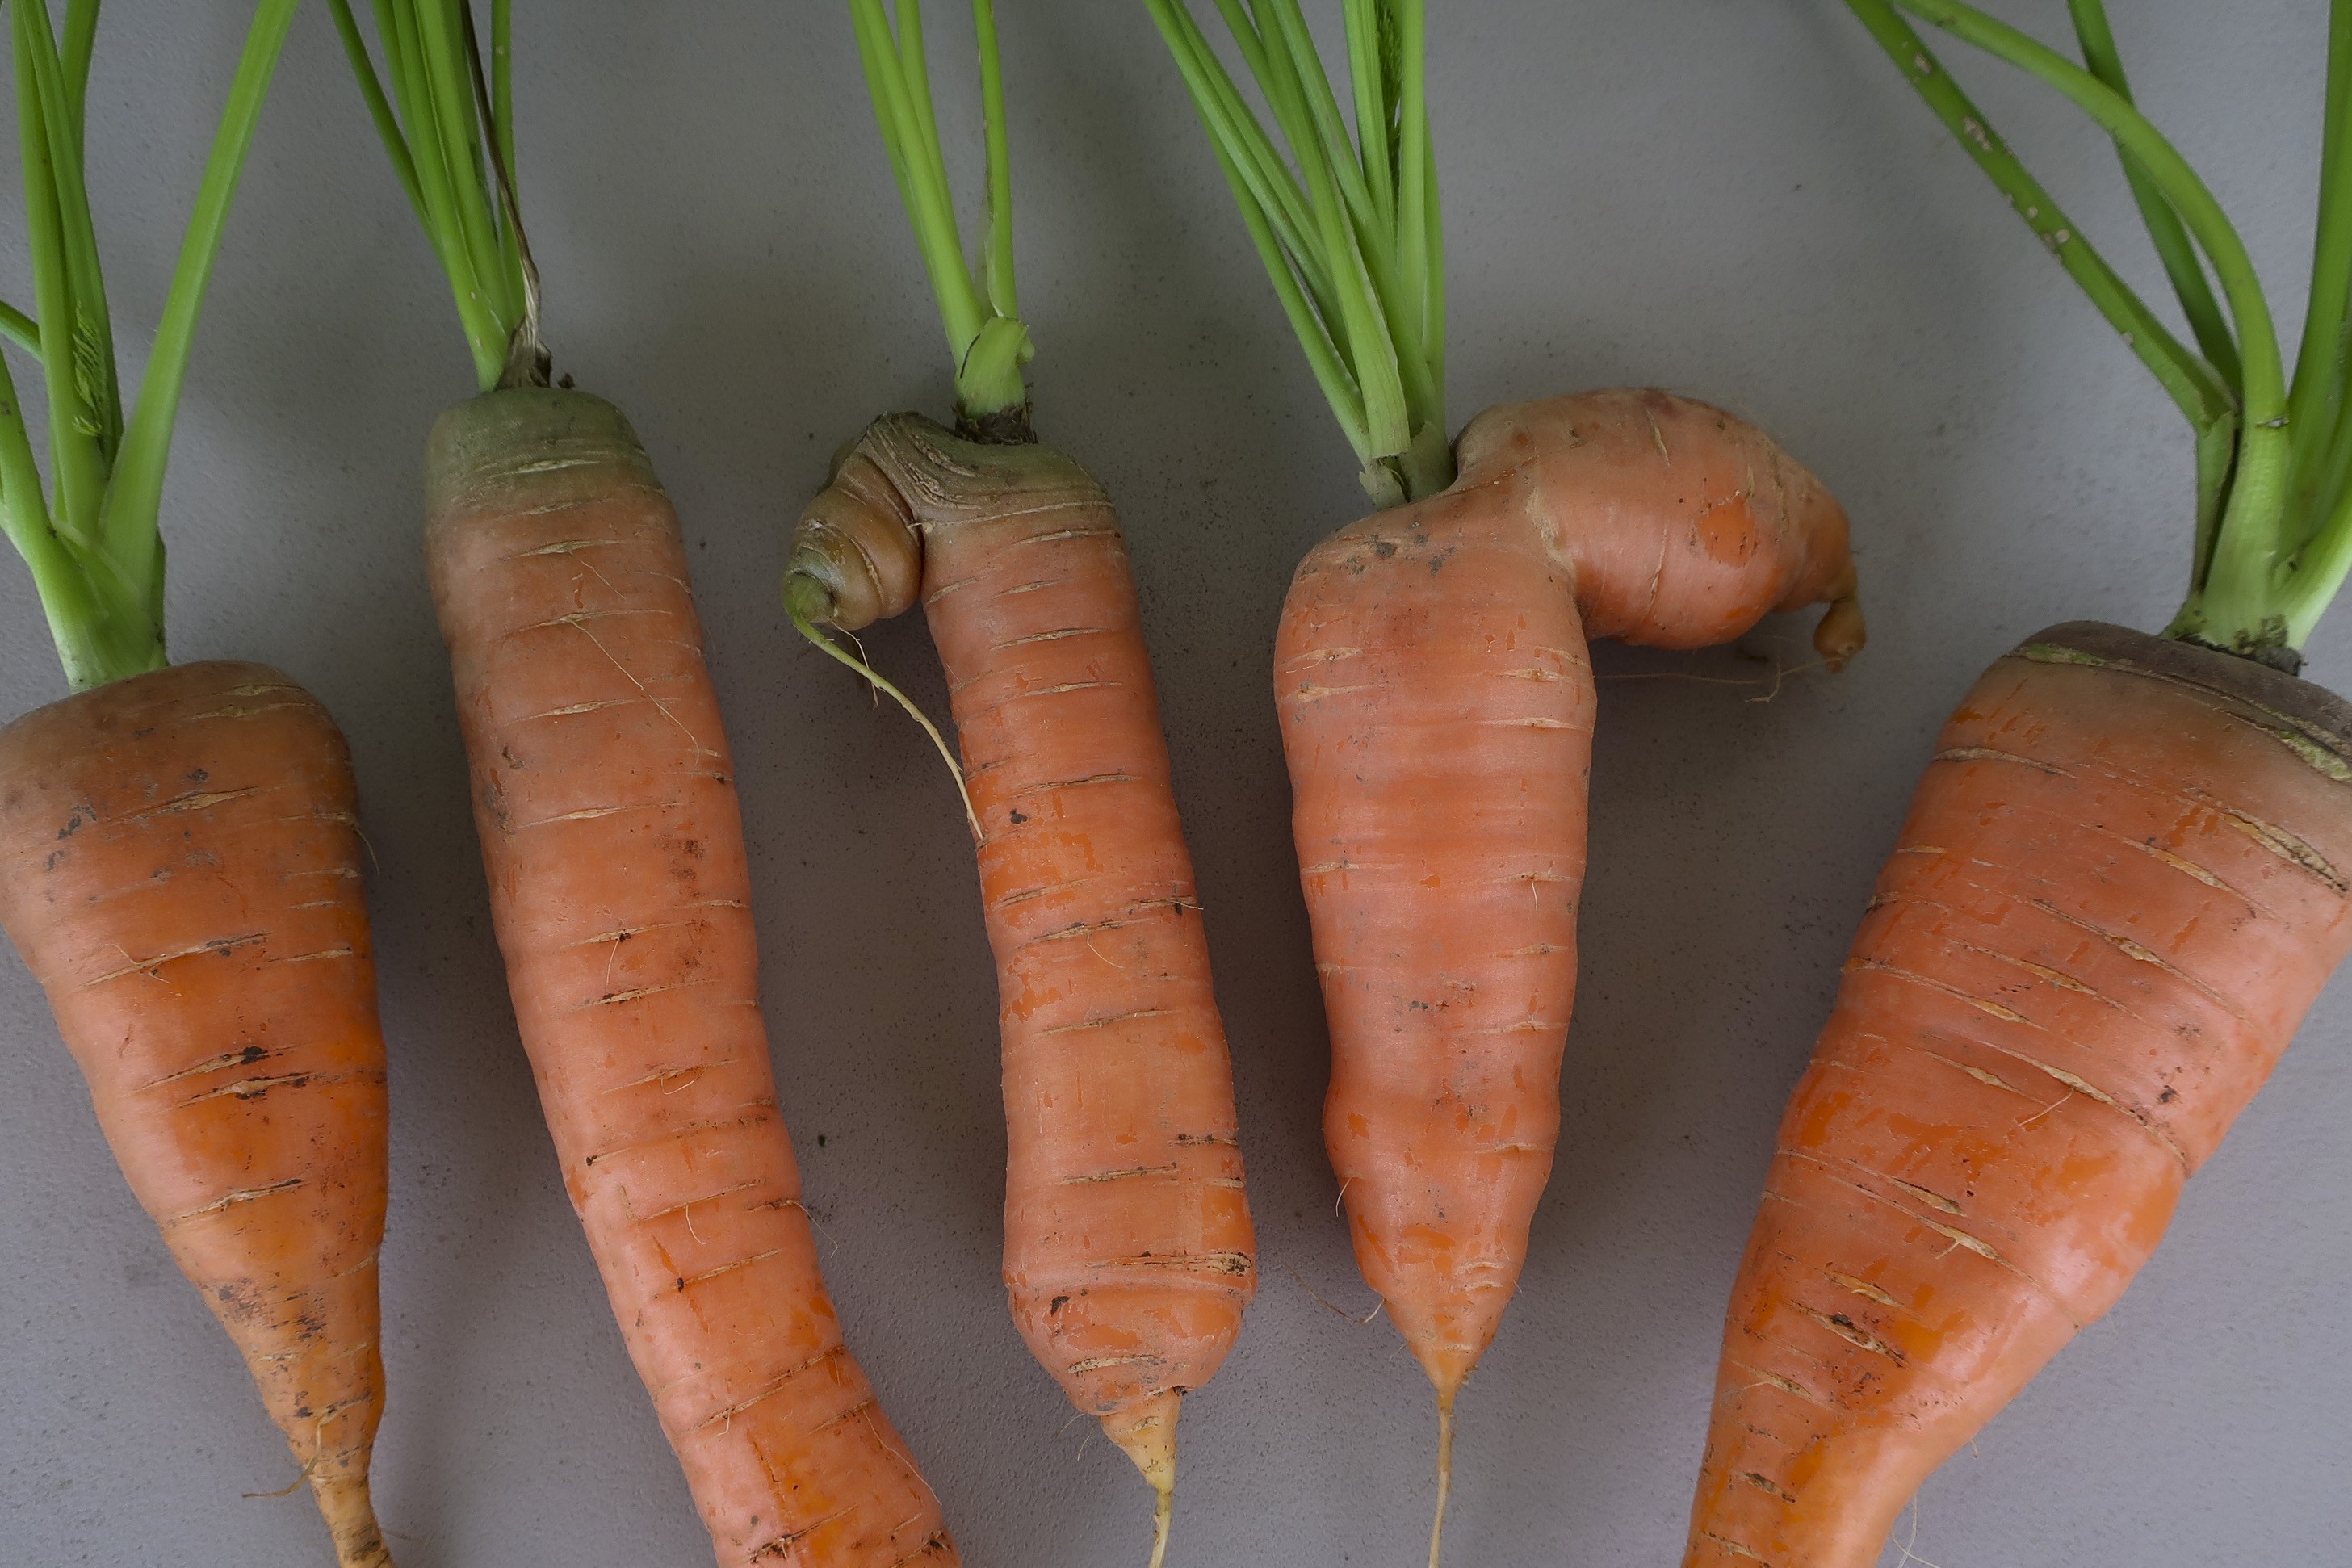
x: 2123, y: 880
x: 180, y: 868
x: 1432, y: 676
x: 1129, y: 1252
x: 179, y: 845
x: 1431, y: 671
x: 604, y: 799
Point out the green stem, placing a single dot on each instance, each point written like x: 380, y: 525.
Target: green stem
x: 502, y: 79
x: 2164, y: 229
x: 2234, y: 606
x: 2193, y: 385
x: 2315, y: 401
x: 1350, y: 242
x: 1003, y: 295
x: 80, y: 42
x: 20, y: 330
x: 134, y: 500
x: 77, y: 454
x: 379, y: 108
x: 986, y: 338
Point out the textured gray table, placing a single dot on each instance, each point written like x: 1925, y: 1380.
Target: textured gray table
x: 1735, y: 199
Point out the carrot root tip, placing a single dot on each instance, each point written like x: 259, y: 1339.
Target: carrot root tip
x: 1163, y: 1519
x: 1445, y: 1475
x: 1841, y: 633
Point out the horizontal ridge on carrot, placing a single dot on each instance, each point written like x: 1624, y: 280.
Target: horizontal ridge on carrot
x: 1431, y: 669
x: 1128, y: 1251
x: 604, y: 799
x: 2121, y: 882
x: 179, y: 843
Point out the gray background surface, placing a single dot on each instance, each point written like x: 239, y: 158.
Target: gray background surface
x: 1734, y: 198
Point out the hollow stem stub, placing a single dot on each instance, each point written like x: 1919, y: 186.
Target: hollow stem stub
x: 809, y: 604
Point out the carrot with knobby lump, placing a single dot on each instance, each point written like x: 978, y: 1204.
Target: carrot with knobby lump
x: 1129, y: 1252
x: 1435, y: 696
x: 2122, y: 879
x: 605, y: 803
x: 179, y: 843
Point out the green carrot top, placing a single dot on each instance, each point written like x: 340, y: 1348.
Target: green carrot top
x: 448, y: 127
x: 987, y: 339
x: 1348, y: 230
x: 2273, y: 538
x: 92, y: 543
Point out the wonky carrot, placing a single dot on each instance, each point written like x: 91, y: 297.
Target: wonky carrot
x: 179, y: 845
x: 1435, y: 695
x: 604, y: 798
x: 2123, y: 880
x: 1129, y: 1252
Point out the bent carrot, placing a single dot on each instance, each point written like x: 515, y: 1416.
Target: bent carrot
x: 2122, y: 882
x: 1128, y: 1251
x: 1436, y: 705
x: 2122, y: 879
x: 180, y: 868
x: 179, y: 845
x: 1431, y: 669
x: 604, y: 800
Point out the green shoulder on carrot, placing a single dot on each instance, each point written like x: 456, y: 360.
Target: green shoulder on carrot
x: 2122, y: 879
x: 604, y: 798
x: 1128, y: 1251
x: 1436, y: 699
x: 179, y: 843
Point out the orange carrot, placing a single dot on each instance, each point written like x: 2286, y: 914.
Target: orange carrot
x: 180, y: 868
x: 178, y: 846
x: 605, y: 802
x: 1129, y: 1253
x: 1437, y: 707
x: 2123, y: 880
x: 1430, y: 670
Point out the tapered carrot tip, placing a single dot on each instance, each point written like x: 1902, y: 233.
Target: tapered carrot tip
x: 1839, y: 633
x: 1146, y: 1433
x: 350, y: 1514
x: 1444, y: 1470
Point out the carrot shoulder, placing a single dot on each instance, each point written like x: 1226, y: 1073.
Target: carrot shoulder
x: 1436, y: 703
x: 180, y: 868
x: 605, y: 802
x: 1129, y: 1252
x: 2121, y: 884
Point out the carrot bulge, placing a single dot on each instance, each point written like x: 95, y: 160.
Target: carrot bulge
x: 1436, y: 703
x: 1129, y: 1252
x: 2122, y: 882
x: 180, y: 868
x: 604, y: 798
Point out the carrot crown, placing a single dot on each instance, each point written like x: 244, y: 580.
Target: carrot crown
x: 93, y: 545
x: 2273, y: 536
x: 986, y: 337
x: 449, y: 129
x: 1350, y: 231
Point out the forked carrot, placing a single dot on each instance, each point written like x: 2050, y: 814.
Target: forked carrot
x: 1435, y: 695
x: 1129, y: 1252
x: 2123, y: 880
x: 179, y: 845
x: 604, y: 798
